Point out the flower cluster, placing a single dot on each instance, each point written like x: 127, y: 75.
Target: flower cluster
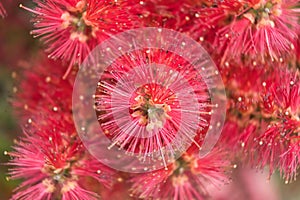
x: 189, y: 177
x: 70, y: 29
x: 264, y: 123
x: 50, y: 156
x: 147, y: 99
x: 54, y: 164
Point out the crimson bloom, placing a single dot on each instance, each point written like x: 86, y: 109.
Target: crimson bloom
x: 263, y: 117
x: 243, y: 91
x: 51, y: 94
x: 278, y: 145
x: 70, y: 29
x: 187, y: 178
x: 50, y: 157
x: 158, y: 116
x: 269, y: 134
x: 54, y: 164
x: 266, y: 28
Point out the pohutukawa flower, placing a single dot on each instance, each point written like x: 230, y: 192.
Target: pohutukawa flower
x: 163, y: 114
x: 267, y: 28
x: 263, y: 117
x: 187, y: 178
x: 70, y: 29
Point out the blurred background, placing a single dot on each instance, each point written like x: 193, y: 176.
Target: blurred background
x: 17, y: 46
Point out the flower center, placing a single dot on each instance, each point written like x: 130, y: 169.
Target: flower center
x: 261, y: 14
x: 75, y: 18
x: 149, y: 108
x: 58, y: 174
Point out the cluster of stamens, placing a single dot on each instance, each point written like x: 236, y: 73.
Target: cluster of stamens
x: 82, y: 28
x: 148, y: 111
x: 261, y: 14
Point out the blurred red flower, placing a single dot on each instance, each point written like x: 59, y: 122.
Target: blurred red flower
x: 70, y: 29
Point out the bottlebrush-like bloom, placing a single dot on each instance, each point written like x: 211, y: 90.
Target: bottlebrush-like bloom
x: 72, y: 28
x: 230, y: 132
x: 187, y: 178
x: 42, y: 89
x: 278, y: 145
x: 271, y: 135
x: 266, y: 28
x: 50, y: 157
x: 263, y: 117
x: 2, y: 10
x: 54, y: 164
x: 153, y: 113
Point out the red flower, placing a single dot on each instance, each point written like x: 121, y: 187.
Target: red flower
x: 72, y: 28
x: 236, y: 138
x: 280, y: 94
x: 263, y: 117
x: 187, y: 178
x: 230, y: 133
x: 152, y: 114
x: 42, y: 90
x: 50, y: 157
x: 266, y: 28
x: 277, y: 146
x: 206, y: 18
x: 53, y: 162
